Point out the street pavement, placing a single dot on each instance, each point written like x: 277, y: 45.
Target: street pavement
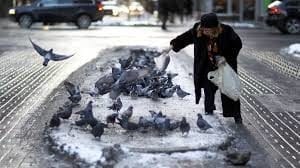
x: 270, y: 101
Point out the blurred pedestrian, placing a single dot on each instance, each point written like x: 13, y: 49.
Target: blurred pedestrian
x: 163, y: 12
x: 211, y: 39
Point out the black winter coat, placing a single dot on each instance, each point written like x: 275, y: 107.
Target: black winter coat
x: 229, y: 44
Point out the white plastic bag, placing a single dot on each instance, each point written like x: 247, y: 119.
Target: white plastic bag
x: 227, y: 81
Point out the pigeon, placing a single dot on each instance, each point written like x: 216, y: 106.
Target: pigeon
x: 116, y: 73
x: 65, y: 113
x: 168, y: 92
x: 111, y: 118
x: 115, y: 92
x: 125, y: 63
x: 87, y: 112
x: 155, y: 114
x: 48, y: 55
x: 162, y: 125
x: 130, y: 76
x: 81, y: 122
x: 55, y: 121
x: 104, y: 84
x: 174, y: 124
x: 202, y: 124
x: 238, y: 158
x: 181, y: 93
x: 116, y: 106
x: 127, y: 113
x: 184, y: 126
x: 74, y: 92
x: 98, y: 130
x: 146, y: 122
x: 125, y: 124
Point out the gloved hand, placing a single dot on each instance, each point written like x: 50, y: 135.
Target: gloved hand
x: 166, y: 50
x: 220, y: 60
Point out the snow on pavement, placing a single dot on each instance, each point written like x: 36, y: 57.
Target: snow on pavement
x: 80, y: 142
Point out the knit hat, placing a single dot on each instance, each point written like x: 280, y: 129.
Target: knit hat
x: 209, y: 20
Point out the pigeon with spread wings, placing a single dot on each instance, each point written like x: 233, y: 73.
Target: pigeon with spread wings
x: 48, y: 54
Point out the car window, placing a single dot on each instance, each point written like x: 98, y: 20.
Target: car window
x: 49, y: 2
x: 65, y: 1
x: 292, y: 3
x: 83, y: 1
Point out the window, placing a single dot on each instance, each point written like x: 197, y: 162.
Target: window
x: 220, y: 6
x: 65, y: 1
x: 235, y: 6
x: 49, y: 2
x: 84, y: 1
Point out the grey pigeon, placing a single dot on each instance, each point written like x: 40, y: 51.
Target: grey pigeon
x: 65, y: 112
x: 146, y: 122
x: 81, y: 122
x: 127, y: 113
x: 162, y: 125
x: 55, y: 121
x: 116, y: 73
x: 132, y: 75
x: 115, y: 91
x: 98, y: 130
x: 111, y: 118
x: 48, y: 55
x: 184, y: 126
x: 168, y: 92
x: 74, y: 92
x: 125, y: 124
x: 87, y: 115
x: 174, y: 124
x: 202, y: 124
x: 117, y: 105
x: 104, y: 84
x: 238, y: 158
x: 181, y: 93
x: 88, y: 111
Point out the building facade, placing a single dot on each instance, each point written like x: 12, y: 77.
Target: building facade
x: 241, y: 10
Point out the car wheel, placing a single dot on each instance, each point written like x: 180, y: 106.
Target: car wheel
x: 292, y: 26
x: 25, y: 21
x: 83, y: 22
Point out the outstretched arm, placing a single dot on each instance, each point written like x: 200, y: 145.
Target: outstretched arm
x: 182, y: 40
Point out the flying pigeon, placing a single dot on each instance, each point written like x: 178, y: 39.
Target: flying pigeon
x: 202, y: 124
x: 48, y: 55
x: 74, y: 92
x: 184, y: 126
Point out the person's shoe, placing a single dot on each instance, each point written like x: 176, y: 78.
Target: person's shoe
x: 238, y: 120
x: 209, y: 113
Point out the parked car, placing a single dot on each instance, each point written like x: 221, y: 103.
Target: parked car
x: 285, y: 16
x: 136, y: 8
x: 80, y: 12
x: 111, y: 8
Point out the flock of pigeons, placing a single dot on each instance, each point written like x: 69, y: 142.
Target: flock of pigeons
x: 137, y: 76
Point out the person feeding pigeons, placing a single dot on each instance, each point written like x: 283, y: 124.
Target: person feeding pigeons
x: 214, y: 43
